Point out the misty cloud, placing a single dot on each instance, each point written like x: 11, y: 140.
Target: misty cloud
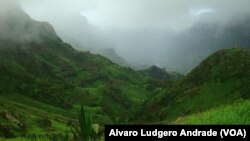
x: 127, y: 14
x: 16, y: 25
x: 141, y: 31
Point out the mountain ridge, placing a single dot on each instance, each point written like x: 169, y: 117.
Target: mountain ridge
x: 37, y: 64
x: 220, y: 79
x: 45, y: 80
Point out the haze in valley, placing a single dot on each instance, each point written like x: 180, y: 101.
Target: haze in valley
x: 166, y: 33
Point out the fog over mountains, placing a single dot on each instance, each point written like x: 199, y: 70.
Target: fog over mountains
x: 49, y: 90
x: 146, y: 32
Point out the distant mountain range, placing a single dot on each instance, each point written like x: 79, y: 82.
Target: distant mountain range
x: 190, y: 47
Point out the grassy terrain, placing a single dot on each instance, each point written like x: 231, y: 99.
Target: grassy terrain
x: 19, y: 119
x: 44, y: 81
x: 220, y: 80
x: 236, y: 113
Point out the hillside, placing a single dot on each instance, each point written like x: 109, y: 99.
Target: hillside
x: 46, y: 79
x: 193, y: 45
x: 111, y: 54
x: 221, y: 79
x: 160, y: 74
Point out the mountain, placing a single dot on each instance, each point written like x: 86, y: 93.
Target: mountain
x: 111, y: 54
x: 16, y: 25
x: 188, y: 48
x: 160, y: 73
x: 77, y: 31
x: 44, y: 80
x: 220, y: 80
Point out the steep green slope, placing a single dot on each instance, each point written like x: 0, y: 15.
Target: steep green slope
x: 44, y: 81
x: 65, y: 78
x: 38, y: 70
x: 221, y: 79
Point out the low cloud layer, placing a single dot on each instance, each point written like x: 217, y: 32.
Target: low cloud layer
x: 129, y: 14
x: 141, y: 31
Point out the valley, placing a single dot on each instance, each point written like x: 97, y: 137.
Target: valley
x: 44, y: 82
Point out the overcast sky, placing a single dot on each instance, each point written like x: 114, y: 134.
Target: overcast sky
x: 139, y: 30
x: 128, y: 14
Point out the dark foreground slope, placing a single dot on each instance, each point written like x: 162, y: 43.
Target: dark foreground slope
x: 221, y: 80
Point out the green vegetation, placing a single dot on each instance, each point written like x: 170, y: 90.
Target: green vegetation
x: 220, y: 80
x: 19, y: 119
x: 237, y: 113
x: 44, y: 81
x: 88, y: 131
x: 160, y: 73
